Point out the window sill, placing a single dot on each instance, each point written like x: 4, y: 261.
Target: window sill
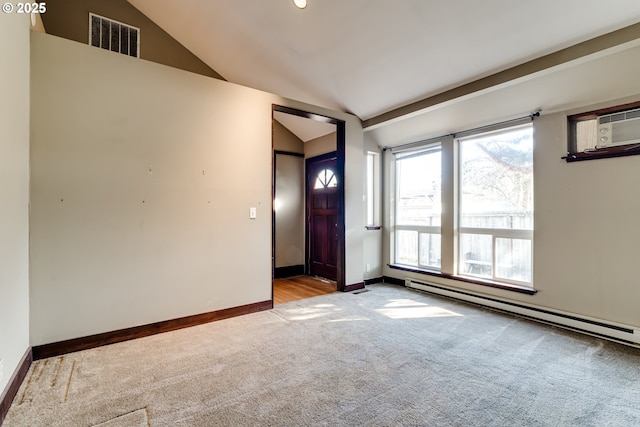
x: 466, y: 279
x: 604, y: 153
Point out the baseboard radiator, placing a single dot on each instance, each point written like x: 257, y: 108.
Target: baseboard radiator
x: 614, y: 332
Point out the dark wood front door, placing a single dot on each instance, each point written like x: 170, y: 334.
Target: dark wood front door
x: 322, y: 217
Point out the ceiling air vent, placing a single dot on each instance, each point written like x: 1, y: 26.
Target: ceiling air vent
x: 114, y: 36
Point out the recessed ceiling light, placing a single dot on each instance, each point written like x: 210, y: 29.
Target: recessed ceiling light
x: 301, y: 4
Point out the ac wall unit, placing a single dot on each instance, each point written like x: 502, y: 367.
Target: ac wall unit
x: 619, y: 129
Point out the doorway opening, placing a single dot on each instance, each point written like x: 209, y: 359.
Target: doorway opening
x: 308, y: 223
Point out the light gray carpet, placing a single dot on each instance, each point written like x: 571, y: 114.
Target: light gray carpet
x: 386, y: 357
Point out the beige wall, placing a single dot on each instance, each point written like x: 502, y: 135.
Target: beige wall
x: 70, y: 19
x: 285, y: 140
x: 586, y: 234
x: 372, y: 239
x: 321, y: 145
x: 142, y: 180
x: 14, y: 193
x: 289, y: 210
x: 354, y: 207
x: 289, y: 182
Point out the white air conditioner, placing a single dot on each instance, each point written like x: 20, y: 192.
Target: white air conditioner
x: 619, y: 129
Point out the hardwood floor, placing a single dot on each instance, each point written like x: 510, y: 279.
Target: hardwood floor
x: 300, y: 287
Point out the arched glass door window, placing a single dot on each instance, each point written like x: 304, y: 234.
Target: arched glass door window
x: 325, y: 179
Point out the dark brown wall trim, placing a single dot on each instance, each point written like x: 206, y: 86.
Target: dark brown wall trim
x: 368, y: 282
x: 288, y: 153
x: 393, y: 281
x: 353, y: 287
x: 341, y: 135
x: 289, y: 271
x: 590, y: 115
x: 14, y: 384
x: 604, y: 153
x: 305, y: 114
x: 92, y: 341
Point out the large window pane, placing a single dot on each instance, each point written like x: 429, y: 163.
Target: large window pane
x: 417, y: 213
x: 476, y: 254
x: 496, y: 205
x: 497, y: 180
x: 418, y: 183
x: 373, y: 189
x: 430, y: 250
x: 513, y: 259
x: 407, y: 247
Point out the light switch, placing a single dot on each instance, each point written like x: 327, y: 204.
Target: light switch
x: 252, y: 213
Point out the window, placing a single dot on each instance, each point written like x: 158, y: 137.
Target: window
x: 463, y: 206
x: 113, y: 35
x: 496, y: 205
x: 325, y: 179
x: 417, y: 210
x: 372, y: 189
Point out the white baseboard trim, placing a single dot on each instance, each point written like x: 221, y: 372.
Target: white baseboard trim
x: 608, y: 330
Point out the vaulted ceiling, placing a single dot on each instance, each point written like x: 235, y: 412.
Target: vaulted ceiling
x: 368, y: 57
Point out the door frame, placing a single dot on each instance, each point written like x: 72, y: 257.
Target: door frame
x: 340, y: 174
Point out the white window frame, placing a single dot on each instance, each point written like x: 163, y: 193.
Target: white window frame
x: 419, y: 229
x: 372, y: 190
x: 495, y: 233
x: 451, y: 234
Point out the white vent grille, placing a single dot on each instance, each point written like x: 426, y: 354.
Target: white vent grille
x: 115, y: 36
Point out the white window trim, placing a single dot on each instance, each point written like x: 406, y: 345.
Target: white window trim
x: 420, y: 229
x: 423, y: 148
x: 450, y: 230
x: 372, y: 190
x: 494, y: 232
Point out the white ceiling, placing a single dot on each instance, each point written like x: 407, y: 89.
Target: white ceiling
x: 607, y: 76
x: 368, y: 57
x: 304, y: 128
